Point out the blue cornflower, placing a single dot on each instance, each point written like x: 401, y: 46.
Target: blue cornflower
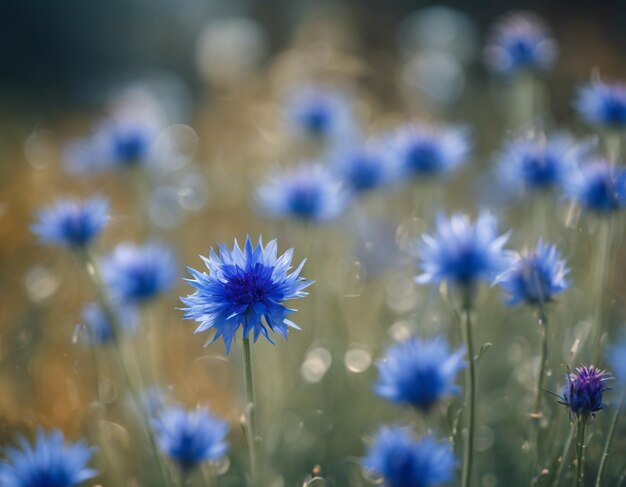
x: 319, y: 112
x: 71, y: 223
x: 98, y: 327
x: 539, y: 164
x: 419, y: 372
x: 461, y: 252
x: 245, y: 288
x: 423, y: 150
x: 138, y: 273
x: 616, y: 357
x: 602, y: 104
x: 307, y: 193
x: 520, y: 41
x: 535, y: 277
x: 49, y: 463
x: 597, y: 187
x: 404, y: 462
x: 584, y: 389
x: 190, y: 438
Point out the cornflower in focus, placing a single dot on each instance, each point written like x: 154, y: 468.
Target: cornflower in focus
x: 245, y: 288
x: 419, y: 372
x: 602, y: 104
x: 71, y: 223
x: 403, y: 462
x: 584, y: 390
x: 520, y: 42
x: 50, y: 462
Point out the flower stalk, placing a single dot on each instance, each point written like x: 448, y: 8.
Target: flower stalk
x: 250, y: 415
x: 581, y: 424
x: 609, y: 440
x: 470, y: 396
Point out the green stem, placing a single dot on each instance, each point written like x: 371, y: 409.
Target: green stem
x: 561, y: 468
x: 581, y: 423
x: 609, y: 440
x: 543, y: 332
x: 470, y: 401
x: 250, y: 414
x: 599, y: 285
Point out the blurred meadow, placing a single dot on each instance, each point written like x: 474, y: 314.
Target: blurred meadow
x: 225, y: 102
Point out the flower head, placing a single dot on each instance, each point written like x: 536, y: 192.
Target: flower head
x: 462, y: 252
x: 306, y: 193
x: 98, y: 325
x: 424, y: 150
x: 139, y: 273
x: 50, y: 462
x: 404, y: 462
x: 602, y: 104
x: 535, y: 277
x: 245, y: 288
x: 319, y: 112
x: 597, y: 187
x: 584, y: 389
x: 71, y: 223
x: 419, y: 372
x: 520, y: 41
x: 190, y: 438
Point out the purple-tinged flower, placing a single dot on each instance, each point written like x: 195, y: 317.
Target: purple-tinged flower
x: 419, y: 372
x: 138, y: 273
x: 597, y: 187
x: 307, y: 193
x: 461, y: 252
x: 98, y: 328
x: 50, y: 462
x: 190, y: 438
x: 534, y: 277
x: 422, y: 150
x: 71, y: 223
x: 602, y: 104
x: 584, y: 389
x: 520, y: 41
x: 404, y: 462
x: 245, y: 288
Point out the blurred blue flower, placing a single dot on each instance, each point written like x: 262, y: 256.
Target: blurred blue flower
x: 308, y: 193
x: 98, y: 326
x: 535, y: 277
x: 319, y: 112
x: 49, y: 463
x: 245, y: 288
x: 597, y: 187
x: 584, y: 389
x: 419, y: 372
x: 190, y: 438
x: 539, y: 164
x: 423, y: 150
x: 139, y: 273
x: 404, y: 462
x: 520, y: 41
x: 71, y: 223
x: 462, y: 252
x: 602, y: 104
x: 616, y: 357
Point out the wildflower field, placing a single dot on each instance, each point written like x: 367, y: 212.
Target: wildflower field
x: 384, y: 250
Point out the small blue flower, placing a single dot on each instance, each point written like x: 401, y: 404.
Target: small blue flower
x: 419, y: 372
x: 49, y: 463
x: 307, y: 193
x: 136, y: 274
x: 319, y: 112
x: 190, y: 438
x: 404, y: 462
x: 616, y: 357
x: 584, y: 389
x: 71, y: 223
x: 98, y: 328
x: 535, y: 277
x: 245, y: 288
x: 424, y: 150
x: 597, y: 187
x: 462, y: 252
x: 539, y: 164
x: 520, y: 41
x: 602, y: 104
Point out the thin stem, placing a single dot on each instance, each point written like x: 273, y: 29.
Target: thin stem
x: 581, y: 423
x: 250, y: 425
x: 470, y: 398
x: 568, y: 444
x: 609, y: 440
x: 543, y: 333
x: 599, y: 284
